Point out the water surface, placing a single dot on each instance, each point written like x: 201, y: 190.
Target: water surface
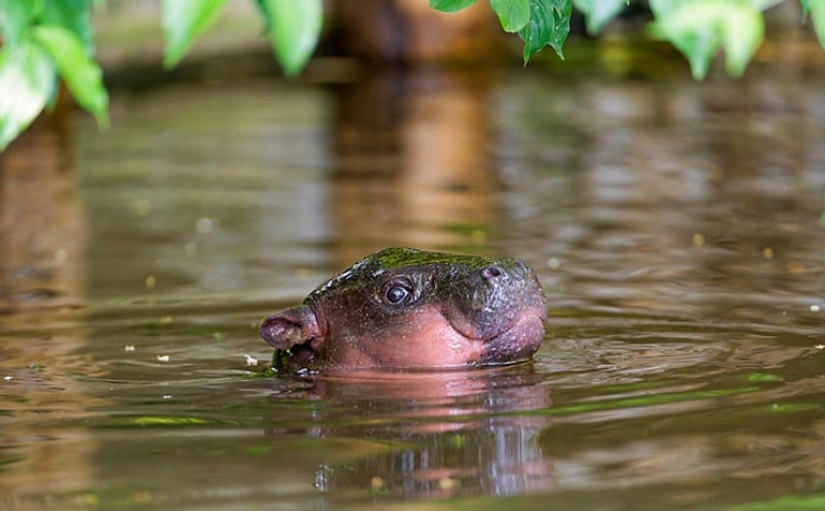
x: 674, y: 225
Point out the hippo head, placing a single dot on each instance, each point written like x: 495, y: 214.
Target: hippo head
x: 409, y: 309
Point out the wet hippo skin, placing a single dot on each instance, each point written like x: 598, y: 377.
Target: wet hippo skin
x: 402, y: 308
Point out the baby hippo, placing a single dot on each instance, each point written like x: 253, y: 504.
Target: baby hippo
x: 408, y: 309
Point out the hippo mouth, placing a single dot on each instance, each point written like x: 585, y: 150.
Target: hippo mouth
x: 517, y: 342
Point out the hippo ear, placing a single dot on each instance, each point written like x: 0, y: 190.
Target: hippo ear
x: 289, y: 327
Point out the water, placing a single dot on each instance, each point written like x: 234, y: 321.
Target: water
x: 674, y: 225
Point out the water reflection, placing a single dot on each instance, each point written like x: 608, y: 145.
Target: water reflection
x: 43, y: 239
x: 43, y: 228
x: 690, y: 201
x: 413, y: 167
x: 444, y: 434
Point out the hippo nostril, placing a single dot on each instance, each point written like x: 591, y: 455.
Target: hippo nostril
x: 491, y: 272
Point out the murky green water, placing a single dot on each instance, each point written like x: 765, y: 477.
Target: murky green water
x: 674, y: 225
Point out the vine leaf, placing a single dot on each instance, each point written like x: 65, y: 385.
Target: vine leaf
x: 451, y: 5
x: 817, y: 11
x: 15, y: 17
x: 700, y: 28
x: 27, y: 81
x: 598, y: 13
x: 75, y: 15
x: 183, y: 21
x: 512, y: 14
x: 80, y: 72
x: 549, y: 25
x: 294, y: 27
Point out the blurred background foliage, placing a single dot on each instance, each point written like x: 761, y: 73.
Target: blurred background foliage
x: 46, y: 41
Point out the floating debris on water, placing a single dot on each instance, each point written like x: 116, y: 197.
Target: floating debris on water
x: 376, y: 483
x: 205, y: 225
x: 142, y: 207
x: 447, y: 483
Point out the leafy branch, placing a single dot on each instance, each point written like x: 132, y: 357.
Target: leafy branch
x: 44, y: 41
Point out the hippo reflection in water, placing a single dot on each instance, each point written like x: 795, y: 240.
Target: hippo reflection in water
x: 403, y: 308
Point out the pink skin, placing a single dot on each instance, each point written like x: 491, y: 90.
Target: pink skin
x: 437, y: 345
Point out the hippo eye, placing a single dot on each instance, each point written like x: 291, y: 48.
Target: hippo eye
x: 397, y: 292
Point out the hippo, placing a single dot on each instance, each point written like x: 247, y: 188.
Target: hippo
x: 406, y: 309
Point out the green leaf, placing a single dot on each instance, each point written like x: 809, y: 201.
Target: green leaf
x: 27, y: 80
x: 74, y: 15
x: 81, y: 73
x: 15, y: 18
x: 745, y: 29
x: 512, y: 14
x: 294, y: 28
x: 817, y: 10
x: 700, y: 28
x: 451, y: 5
x: 598, y: 13
x: 266, y: 15
x: 183, y: 21
x: 806, y: 6
x: 549, y: 25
